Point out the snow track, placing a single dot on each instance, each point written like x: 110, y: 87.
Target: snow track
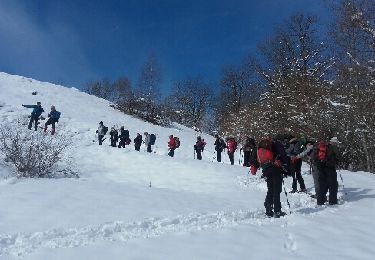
x: 22, y: 244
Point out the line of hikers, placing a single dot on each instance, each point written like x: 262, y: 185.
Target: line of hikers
x: 36, y: 115
x: 278, y: 157
x: 123, y: 138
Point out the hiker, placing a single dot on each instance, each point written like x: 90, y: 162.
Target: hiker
x: 35, y: 114
x: 295, y: 148
x: 53, y: 118
x: 114, y: 136
x: 248, y: 147
x: 274, y: 163
x: 231, y: 148
x: 199, y: 147
x: 219, y: 147
x: 138, y: 142
x: 171, y: 146
x: 253, y: 159
x: 102, y: 130
x: 147, y: 142
x: 309, y: 146
x: 124, y: 137
x: 326, y: 157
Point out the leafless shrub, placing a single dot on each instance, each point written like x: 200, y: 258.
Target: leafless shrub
x: 33, y: 154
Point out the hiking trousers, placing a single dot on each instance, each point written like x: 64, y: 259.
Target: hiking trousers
x: 231, y: 158
x: 297, y: 175
x: 327, y: 182
x: 274, y: 180
x: 246, y: 158
x: 33, y: 119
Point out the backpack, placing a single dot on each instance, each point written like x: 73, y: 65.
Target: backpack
x: 152, y: 139
x: 265, y: 154
x: 232, y: 146
x: 321, y: 154
x: 105, y: 129
x: 177, y: 142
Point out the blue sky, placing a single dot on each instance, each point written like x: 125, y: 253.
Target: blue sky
x: 71, y: 42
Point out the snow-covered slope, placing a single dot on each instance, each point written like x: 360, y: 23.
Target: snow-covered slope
x: 193, y: 209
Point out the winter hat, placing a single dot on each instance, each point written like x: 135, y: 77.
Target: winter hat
x: 38, y: 103
x: 334, y: 140
x: 101, y: 122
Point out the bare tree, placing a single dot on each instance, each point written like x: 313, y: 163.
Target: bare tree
x: 190, y: 101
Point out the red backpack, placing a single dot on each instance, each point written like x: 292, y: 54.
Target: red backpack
x: 232, y: 146
x: 265, y: 154
x: 322, y: 151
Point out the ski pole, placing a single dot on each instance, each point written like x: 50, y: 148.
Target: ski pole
x: 343, y: 186
x: 286, y: 195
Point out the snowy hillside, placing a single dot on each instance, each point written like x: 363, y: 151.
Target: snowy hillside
x: 135, y: 205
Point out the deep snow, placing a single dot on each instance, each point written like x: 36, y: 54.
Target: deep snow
x: 193, y: 209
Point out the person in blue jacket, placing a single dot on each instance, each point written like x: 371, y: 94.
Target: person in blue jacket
x: 35, y: 114
x: 53, y: 118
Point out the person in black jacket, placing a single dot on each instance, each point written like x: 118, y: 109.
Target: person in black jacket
x: 124, y: 137
x: 138, y: 142
x: 219, y: 147
x: 273, y: 169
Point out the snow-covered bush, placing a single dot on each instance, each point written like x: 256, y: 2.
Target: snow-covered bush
x: 32, y: 153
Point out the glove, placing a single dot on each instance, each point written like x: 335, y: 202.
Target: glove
x: 253, y: 170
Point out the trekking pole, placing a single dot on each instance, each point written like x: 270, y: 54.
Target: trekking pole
x: 286, y: 195
x: 343, y: 186
x: 239, y: 159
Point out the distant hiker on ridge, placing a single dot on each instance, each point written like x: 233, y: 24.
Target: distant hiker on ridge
x: 102, y: 130
x: 138, y: 142
x: 35, y: 114
x: 53, y: 118
x: 114, y: 136
x: 219, y: 147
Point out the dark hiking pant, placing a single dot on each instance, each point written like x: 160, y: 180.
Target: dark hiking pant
x: 100, y: 138
x: 231, y: 158
x: 327, y: 182
x: 121, y: 144
x: 199, y: 154
x: 297, y: 175
x: 218, y: 155
x: 171, y: 153
x: 149, y: 150
x: 33, y: 119
x: 113, y: 142
x: 274, y: 178
x: 246, y: 158
x: 50, y: 121
x: 137, y: 147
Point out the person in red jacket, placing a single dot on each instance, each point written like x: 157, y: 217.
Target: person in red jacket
x: 231, y: 148
x: 171, y: 146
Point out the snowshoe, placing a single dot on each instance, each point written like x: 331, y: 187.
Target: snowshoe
x: 293, y: 191
x: 302, y: 191
x: 314, y: 196
x: 279, y: 214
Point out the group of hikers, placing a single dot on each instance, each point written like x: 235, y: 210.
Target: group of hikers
x: 123, y: 138
x: 278, y: 157
x: 36, y: 114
